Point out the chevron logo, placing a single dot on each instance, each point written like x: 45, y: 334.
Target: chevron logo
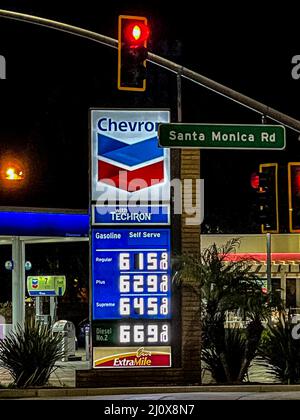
x: 120, y: 163
x: 35, y: 283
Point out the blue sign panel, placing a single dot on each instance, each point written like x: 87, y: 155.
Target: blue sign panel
x: 33, y: 223
x: 43, y: 293
x: 131, y: 274
x: 131, y: 215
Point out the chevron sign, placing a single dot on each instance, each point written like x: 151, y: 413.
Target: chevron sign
x: 127, y: 162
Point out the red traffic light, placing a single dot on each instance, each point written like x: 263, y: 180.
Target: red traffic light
x: 136, y: 33
x: 267, y: 198
x: 294, y: 196
x: 133, y: 34
x: 254, y: 180
x: 296, y: 181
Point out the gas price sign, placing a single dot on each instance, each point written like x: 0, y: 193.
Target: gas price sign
x: 131, y: 288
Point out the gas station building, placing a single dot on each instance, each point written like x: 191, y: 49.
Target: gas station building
x: 20, y: 228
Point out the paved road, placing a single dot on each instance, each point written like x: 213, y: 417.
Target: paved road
x: 201, y: 396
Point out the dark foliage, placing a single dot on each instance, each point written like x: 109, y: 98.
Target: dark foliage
x: 29, y: 354
x: 280, y: 352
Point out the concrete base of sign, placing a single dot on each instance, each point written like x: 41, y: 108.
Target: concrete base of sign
x: 97, y: 378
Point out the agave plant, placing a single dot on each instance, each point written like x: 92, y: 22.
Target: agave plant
x: 280, y: 352
x: 29, y: 353
x: 224, y: 362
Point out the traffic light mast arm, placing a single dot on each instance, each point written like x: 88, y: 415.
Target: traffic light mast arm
x: 60, y: 26
x: 191, y: 75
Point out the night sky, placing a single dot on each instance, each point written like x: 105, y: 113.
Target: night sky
x: 54, y: 78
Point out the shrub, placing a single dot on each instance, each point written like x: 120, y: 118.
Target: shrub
x: 279, y: 352
x: 227, y: 285
x: 229, y: 352
x: 29, y: 354
x: 224, y: 365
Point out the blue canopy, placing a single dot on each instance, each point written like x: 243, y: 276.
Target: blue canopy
x: 39, y: 223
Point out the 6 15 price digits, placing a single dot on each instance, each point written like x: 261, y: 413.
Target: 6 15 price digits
x: 143, y: 261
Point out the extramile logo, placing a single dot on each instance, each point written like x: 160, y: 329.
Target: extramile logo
x: 2, y: 67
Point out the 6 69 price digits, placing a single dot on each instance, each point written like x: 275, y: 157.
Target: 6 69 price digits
x: 139, y: 333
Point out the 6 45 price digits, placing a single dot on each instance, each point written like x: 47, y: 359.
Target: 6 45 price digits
x: 144, y: 306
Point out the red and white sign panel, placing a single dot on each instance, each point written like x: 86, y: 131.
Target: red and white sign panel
x: 132, y: 357
x: 127, y: 162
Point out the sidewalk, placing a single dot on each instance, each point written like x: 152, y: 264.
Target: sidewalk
x: 63, y: 379
x: 64, y: 376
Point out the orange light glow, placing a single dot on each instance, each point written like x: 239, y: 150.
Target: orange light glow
x: 13, y: 174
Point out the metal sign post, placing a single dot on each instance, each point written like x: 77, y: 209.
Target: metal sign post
x: 269, y: 262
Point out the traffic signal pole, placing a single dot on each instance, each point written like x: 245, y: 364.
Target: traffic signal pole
x: 179, y: 98
x: 269, y: 263
x: 191, y: 75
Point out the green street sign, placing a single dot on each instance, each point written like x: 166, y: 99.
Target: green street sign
x: 222, y: 136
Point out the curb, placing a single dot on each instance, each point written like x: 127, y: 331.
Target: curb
x: 85, y: 392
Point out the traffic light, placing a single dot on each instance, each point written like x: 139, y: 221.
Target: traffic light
x: 133, y: 34
x: 294, y: 196
x: 267, y: 198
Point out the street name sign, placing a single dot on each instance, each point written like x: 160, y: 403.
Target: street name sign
x: 222, y: 136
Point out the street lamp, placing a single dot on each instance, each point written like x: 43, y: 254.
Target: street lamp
x: 14, y: 174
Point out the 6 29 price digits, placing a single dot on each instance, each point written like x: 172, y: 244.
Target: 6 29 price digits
x: 140, y: 283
